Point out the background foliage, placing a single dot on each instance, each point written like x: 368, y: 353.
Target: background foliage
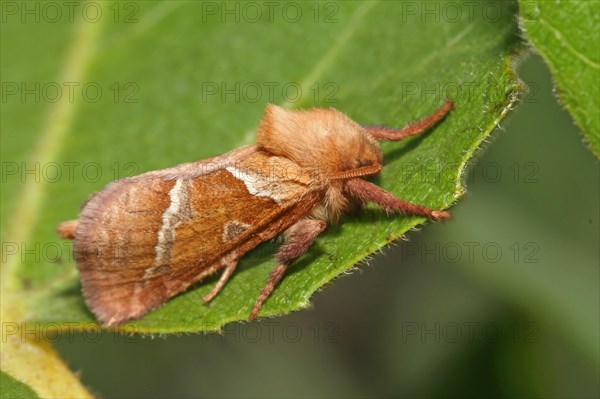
x: 567, y: 38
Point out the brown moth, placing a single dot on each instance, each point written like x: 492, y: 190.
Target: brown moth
x: 142, y: 240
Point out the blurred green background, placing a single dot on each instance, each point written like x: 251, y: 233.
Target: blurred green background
x: 518, y: 315
x: 502, y: 301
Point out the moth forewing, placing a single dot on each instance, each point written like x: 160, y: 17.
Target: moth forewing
x: 143, y: 240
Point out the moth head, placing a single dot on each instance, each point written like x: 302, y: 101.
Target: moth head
x: 321, y: 139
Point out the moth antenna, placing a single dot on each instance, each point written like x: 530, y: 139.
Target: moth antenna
x: 412, y: 129
x: 67, y: 229
x: 358, y: 172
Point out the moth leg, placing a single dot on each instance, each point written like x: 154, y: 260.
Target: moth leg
x: 230, y: 266
x: 369, y: 192
x: 301, y: 236
x: 413, y: 128
x: 67, y: 229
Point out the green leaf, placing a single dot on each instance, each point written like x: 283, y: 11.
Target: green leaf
x: 375, y: 61
x: 11, y: 388
x: 566, y: 35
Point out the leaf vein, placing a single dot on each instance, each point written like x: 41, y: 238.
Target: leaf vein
x: 561, y: 38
